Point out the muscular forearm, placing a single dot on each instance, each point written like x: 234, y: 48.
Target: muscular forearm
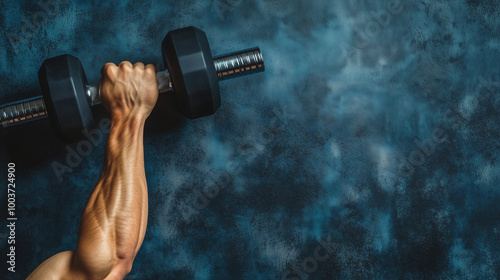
x: 114, y: 220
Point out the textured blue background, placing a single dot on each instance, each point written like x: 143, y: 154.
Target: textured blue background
x: 322, y: 147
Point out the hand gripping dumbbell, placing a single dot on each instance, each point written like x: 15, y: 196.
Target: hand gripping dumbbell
x: 192, y: 74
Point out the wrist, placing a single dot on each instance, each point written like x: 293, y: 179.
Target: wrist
x: 126, y: 136
x: 126, y: 129
x: 131, y: 120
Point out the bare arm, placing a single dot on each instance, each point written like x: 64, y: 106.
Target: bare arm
x: 114, y: 220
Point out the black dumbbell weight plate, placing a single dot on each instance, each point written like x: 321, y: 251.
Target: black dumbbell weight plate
x: 188, y: 58
x: 63, y: 83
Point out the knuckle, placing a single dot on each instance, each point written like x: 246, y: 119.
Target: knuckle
x: 126, y: 65
x: 109, y: 70
x: 150, y: 70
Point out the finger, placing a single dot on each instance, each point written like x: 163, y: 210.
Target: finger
x: 139, y: 65
x: 150, y: 68
x: 125, y: 64
x: 108, y: 67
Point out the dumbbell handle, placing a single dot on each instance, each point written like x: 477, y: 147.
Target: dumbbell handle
x: 228, y: 66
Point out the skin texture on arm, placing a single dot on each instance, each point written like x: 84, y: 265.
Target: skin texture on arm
x: 114, y: 220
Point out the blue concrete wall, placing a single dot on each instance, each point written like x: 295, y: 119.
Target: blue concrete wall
x: 367, y: 150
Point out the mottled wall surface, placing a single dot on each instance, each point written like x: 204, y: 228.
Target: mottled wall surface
x: 367, y: 150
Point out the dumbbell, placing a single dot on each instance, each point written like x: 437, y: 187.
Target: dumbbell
x: 192, y: 74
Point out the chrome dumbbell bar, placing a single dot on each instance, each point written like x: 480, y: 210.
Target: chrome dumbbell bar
x: 227, y: 66
x: 22, y: 111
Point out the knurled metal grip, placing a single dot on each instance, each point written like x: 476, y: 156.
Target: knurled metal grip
x: 227, y: 66
x: 22, y: 111
x: 238, y: 64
